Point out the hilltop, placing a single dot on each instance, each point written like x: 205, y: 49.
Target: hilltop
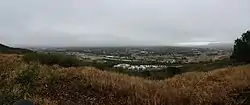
x: 54, y: 85
x: 7, y: 49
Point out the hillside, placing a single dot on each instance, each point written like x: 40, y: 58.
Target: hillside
x: 6, y: 49
x: 54, y: 85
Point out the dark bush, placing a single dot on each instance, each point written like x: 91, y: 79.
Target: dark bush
x: 53, y: 59
x: 157, y: 74
x: 171, y: 71
x: 241, y: 51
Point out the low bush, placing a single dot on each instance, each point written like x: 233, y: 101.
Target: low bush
x: 52, y: 59
x: 27, y: 78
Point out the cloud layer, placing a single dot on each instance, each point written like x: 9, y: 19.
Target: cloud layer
x: 121, y: 22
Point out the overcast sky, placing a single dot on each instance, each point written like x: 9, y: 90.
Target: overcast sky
x: 121, y: 22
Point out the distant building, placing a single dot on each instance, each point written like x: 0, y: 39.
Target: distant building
x: 144, y: 52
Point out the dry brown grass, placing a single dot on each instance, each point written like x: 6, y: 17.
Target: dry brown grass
x: 89, y: 86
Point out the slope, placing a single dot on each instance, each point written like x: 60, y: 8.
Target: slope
x: 6, y: 49
x: 53, y: 85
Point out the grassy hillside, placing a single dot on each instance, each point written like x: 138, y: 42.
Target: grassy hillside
x: 54, y: 85
x: 6, y: 49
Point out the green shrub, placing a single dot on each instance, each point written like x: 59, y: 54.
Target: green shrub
x: 28, y: 78
x: 28, y: 57
x: 53, y: 59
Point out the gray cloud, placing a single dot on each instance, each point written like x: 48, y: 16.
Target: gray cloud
x: 121, y: 22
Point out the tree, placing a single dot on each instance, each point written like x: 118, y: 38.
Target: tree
x: 241, y: 52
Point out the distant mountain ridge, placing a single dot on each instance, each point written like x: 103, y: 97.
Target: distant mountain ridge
x: 7, y: 49
x: 217, y: 45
